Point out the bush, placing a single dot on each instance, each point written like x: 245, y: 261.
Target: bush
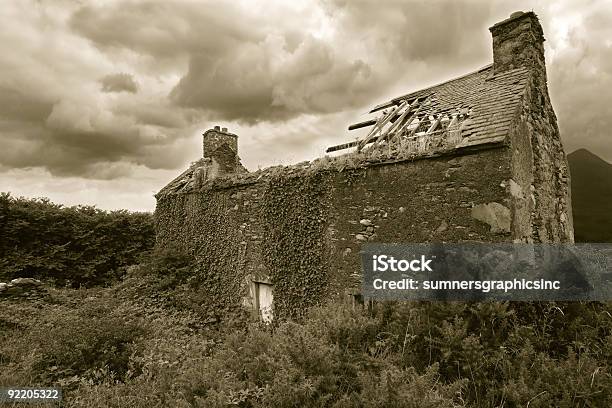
x: 396, y: 355
x: 316, y: 364
x: 107, y: 347
x: 509, y: 352
x: 170, y: 278
x: 81, y: 245
x: 448, y: 354
x: 64, y: 346
x: 84, y: 347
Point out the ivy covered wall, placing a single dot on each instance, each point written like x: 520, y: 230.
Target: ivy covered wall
x: 301, y: 228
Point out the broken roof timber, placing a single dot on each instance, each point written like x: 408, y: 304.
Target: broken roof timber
x: 381, y: 123
x: 382, y: 106
x: 399, y: 125
x: 341, y: 146
x: 362, y: 124
x: 489, y: 99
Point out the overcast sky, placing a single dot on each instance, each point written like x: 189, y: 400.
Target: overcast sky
x: 104, y: 102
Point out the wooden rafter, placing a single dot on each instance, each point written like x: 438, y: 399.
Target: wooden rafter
x: 433, y: 126
x: 396, y: 125
x: 362, y: 124
x: 380, y: 125
x: 397, y: 122
x: 416, y: 112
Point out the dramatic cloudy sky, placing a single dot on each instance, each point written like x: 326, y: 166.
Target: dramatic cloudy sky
x: 103, y: 102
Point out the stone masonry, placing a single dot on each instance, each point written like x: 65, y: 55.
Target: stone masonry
x: 505, y: 180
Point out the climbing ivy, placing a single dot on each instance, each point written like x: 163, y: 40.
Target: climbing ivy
x: 200, y: 225
x: 294, y: 214
x: 293, y: 217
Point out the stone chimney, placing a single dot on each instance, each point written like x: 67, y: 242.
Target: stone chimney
x: 213, y: 139
x: 518, y: 41
x: 220, y: 149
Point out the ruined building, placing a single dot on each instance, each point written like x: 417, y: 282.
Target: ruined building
x: 476, y: 158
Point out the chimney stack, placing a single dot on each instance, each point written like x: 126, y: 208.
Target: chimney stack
x: 518, y: 41
x: 213, y: 139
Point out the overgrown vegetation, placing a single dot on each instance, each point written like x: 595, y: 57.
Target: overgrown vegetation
x: 80, y: 245
x: 294, y: 213
x: 194, y: 223
x: 151, y: 341
x: 140, y: 346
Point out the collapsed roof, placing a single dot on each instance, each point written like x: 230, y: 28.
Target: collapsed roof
x: 477, y: 108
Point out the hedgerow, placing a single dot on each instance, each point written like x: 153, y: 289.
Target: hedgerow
x: 80, y: 245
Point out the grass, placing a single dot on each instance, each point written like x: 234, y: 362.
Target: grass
x: 136, y: 345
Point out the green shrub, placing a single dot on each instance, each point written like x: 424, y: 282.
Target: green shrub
x: 509, y: 352
x: 335, y: 359
x: 109, y: 348
x: 169, y: 278
x: 84, y: 346
x: 81, y: 245
x: 395, y: 355
x: 61, y: 345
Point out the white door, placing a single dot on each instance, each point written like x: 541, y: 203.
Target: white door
x: 264, y: 301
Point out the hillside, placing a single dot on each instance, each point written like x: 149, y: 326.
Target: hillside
x: 591, y: 196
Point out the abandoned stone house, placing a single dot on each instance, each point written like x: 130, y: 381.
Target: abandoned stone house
x: 476, y: 158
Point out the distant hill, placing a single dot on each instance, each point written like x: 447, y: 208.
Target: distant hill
x: 591, y: 196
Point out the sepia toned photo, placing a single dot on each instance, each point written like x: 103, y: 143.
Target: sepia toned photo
x: 319, y: 203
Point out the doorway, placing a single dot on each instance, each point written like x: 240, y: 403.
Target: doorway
x: 264, y: 301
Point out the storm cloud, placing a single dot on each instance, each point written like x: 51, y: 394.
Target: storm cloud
x: 119, y: 83
x: 112, y: 91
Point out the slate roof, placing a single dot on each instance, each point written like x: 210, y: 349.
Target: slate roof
x: 492, y: 100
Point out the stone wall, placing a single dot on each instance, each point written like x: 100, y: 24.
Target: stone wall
x: 539, y: 163
x: 301, y: 229
x: 22, y: 288
x: 518, y: 42
x: 546, y: 183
